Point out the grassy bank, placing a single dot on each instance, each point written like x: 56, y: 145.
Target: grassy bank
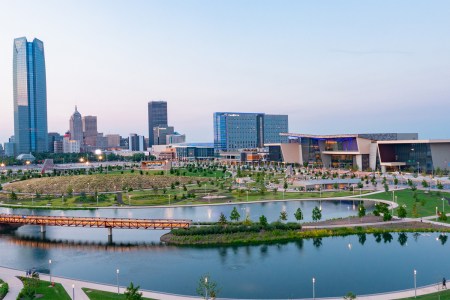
x: 424, y: 206
x: 45, y: 291
x: 101, y: 295
x: 278, y: 235
x: 4, y: 288
x: 442, y: 295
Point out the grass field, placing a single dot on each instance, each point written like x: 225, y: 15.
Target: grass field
x: 48, y: 292
x: 425, y: 206
x: 101, y: 295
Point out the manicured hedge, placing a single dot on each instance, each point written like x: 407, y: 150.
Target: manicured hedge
x: 231, y: 228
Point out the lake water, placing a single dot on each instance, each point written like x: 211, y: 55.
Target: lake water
x: 362, y: 264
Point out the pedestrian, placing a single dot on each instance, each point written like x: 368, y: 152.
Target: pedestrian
x: 444, y: 283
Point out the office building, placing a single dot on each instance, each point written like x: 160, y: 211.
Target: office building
x: 160, y: 133
x: 70, y: 146
x: 113, y: 140
x: 90, y: 130
x: 52, y: 138
x: 9, y: 147
x: 194, y: 151
x: 76, y: 126
x: 30, y: 96
x: 175, y: 138
x: 235, y: 131
x: 136, y: 142
x: 157, y: 116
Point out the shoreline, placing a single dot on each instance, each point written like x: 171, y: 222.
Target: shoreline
x: 349, y: 198
x: 9, y: 274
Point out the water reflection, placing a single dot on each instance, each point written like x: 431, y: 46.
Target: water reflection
x: 362, y: 237
x: 402, y: 239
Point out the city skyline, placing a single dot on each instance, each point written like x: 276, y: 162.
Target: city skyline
x: 306, y: 60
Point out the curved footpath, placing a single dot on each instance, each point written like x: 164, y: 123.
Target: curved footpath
x: 15, y: 285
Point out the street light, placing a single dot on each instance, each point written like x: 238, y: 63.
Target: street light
x: 118, y: 291
x: 415, y: 285
x: 314, y: 288
x: 49, y: 270
x: 73, y: 291
x: 443, y: 204
x: 206, y: 288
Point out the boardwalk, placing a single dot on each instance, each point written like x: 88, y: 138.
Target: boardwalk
x: 94, y: 222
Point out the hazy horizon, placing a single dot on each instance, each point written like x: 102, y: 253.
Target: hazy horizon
x: 332, y: 66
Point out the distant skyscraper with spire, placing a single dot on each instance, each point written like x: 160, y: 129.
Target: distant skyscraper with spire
x: 76, y: 126
x: 30, y: 97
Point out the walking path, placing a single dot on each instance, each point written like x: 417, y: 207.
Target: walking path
x: 15, y: 285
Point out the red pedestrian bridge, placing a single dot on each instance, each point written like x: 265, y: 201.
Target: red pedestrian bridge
x: 109, y: 223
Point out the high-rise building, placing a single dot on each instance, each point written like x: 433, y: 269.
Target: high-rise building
x: 52, y: 138
x: 76, y: 127
x: 273, y: 126
x: 136, y: 142
x: 90, y: 130
x: 30, y: 96
x: 234, y: 131
x: 160, y: 133
x: 157, y: 116
x: 113, y: 140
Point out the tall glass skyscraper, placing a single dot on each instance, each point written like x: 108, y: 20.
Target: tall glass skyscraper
x: 234, y: 130
x: 30, y: 97
x: 157, y: 116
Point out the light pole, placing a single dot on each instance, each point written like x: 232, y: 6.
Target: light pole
x: 415, y: 285
x: 436, y: 213
x: 443, y: 204
x: 49, y: 270
x: 97, y: 200
x: 314, y: 288
x: 206, y: 288
x: 73, y: 291
x: 247, y: 195
x: 118, y: 288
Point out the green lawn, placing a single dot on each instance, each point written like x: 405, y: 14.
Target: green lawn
x: 426, y: 205
x: 48, y: 292
x: 444, y: 295
x: 101, y: 295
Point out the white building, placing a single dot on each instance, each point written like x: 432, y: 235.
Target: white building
x: 71, y: 146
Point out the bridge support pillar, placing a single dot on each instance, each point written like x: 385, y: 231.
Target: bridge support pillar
x: 43, y: 229
x: 110, y: 238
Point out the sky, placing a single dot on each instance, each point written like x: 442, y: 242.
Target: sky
x: 333, y: 66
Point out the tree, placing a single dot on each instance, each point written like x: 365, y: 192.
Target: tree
x: 439, y: 185
x: 298, y: 214
x: 424, y: 183
x: 283, y: 215
x: 350, y: 296
x: 207, y: 288
x: 387, y: 216
x: 222, y: 219
x: 316, y: 214
x: 263, y: 221
x: 234, y: 216
x: 395, y: 181
x: 285, y: 185
x: 386, y: 188
x: 361, y: 210
x: 401, y: 212
x: 132, y: 292
x: 13, y: 196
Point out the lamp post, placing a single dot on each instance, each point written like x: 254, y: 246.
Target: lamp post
x: 49, y: 270
x: 436, y: 213
x: 118, y: 288
x: 314, y: 288
x: 415, y: 285
x: 247, y: 195
x: 443, y: 204
x: 73, y: 291
x: 206, y: 288
x: 97, y: 200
